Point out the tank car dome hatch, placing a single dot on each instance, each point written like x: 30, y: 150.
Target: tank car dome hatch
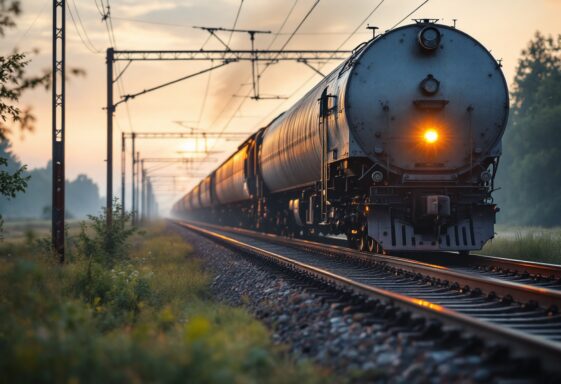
x: 396, y: 92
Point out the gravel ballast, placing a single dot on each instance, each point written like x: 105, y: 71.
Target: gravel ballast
x: 353, y: 338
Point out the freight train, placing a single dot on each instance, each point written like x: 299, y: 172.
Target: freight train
x: 397, y: 149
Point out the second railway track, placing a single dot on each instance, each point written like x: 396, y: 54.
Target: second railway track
x: 522, y: 316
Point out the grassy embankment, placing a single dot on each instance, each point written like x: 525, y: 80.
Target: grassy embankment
x: 526, y: 243
x: 134, y: 311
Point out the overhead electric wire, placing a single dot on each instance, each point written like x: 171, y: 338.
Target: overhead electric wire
x: 276, y: 35
x: 205, y: 96
x: 106, y: 17
x: 235, y: 22
x: 299, y: 25
x: 305, y: 83
x: 409, y: 14
x: 361, y: 24
x: 99, y: 8
x: 84, y: 28
x: 264, y: 69
x: 339, y: 47
x: 37, y: 16
x: 86, y: 42
x: 209, y: 74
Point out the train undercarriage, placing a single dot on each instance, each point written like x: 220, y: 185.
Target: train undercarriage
x: 377, y: 217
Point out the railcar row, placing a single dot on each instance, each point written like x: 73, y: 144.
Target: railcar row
x: 397, y: 149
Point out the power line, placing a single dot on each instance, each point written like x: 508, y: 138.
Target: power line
x: 300, y: 24
x: 86, y: 42
x: 107, y: 18
x: 283, y: 24
x: 339, y: 47
x: 204, y: 98
x: 361, y: 24
x: 409, y: 14
x: 84, y: 28
x: 37, y: 16
x: 275, y: 35
x: 99, y: 8
x: 210, y: 73
x: 264, y: 69
x: 235, y: 22
x: 305, y: 83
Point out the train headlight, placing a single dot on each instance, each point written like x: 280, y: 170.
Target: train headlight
x: 429, y: 38
x: 430, y: 136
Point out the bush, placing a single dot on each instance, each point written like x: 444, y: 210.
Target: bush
x: 535, y: 244
x: 145, y: 317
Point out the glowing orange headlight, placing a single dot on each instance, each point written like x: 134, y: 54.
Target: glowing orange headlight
x: 430, y: 136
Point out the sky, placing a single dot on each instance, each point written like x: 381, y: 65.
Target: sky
x: 504, y: 26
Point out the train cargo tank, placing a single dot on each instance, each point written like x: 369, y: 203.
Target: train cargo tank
x: 397, y: 148
x: 431, y: 123
x: 230, y: 178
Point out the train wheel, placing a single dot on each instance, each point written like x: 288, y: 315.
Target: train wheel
x: 362, y: 243
x: 372, y: 245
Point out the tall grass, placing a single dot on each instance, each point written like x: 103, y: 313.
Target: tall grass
x: 527, y: 244
x: 146, y: 317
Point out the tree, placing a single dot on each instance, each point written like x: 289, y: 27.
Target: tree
x: 12, y: 84
x: 530, y: 174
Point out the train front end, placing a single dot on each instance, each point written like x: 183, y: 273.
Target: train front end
x: 428, y: 105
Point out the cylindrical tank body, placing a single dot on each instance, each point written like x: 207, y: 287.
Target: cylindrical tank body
x: 205, y: 192
x: 290, y: 154
x: 194, y: 202
x: 230, y: 183
x: 387, y: 97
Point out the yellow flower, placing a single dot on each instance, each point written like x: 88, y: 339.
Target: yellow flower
x: 197, y: 328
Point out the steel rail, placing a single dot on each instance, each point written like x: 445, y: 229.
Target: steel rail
x: 523, y: 293
x: 520, y: 343
x: 519, y: 266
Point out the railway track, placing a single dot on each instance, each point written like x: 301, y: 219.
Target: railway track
x: 521, y: 316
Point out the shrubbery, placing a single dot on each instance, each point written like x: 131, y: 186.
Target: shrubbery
x: 136, y: 313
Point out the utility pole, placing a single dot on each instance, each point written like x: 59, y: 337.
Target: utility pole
x: 225, y: 57
x: 133, y: 178
x: 143, y: 191
x: 123, y: 173
x: 136, y: 211
x: 110, y: 110
x: 58, y: 125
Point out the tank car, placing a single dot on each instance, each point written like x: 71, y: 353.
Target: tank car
x: 397, y: 149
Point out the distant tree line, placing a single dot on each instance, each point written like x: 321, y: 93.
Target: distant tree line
x: 530, y: 171
x: 82, y: 194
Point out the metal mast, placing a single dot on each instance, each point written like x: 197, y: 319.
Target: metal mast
x: 58, y: 115
x: 110, y: 111
x: 225, y: 57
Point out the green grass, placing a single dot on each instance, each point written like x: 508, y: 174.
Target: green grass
x: 144, y: 318
x: 17, y: 231
x: 526, y: 243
